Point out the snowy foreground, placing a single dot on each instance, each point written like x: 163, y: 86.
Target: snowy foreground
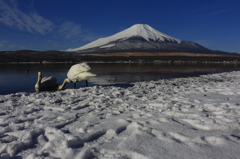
x: 188, y: 118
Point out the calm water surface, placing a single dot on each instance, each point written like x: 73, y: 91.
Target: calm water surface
x: 13, y: 77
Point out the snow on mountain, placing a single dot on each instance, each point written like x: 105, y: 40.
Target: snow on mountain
x: 138, y: 30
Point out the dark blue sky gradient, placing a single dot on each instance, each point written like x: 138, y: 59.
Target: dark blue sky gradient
x: 61, y: 24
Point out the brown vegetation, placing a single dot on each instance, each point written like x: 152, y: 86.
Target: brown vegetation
x: 59, y: 56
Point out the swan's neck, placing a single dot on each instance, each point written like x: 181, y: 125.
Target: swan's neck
x: 64, y: 83
x: 39, y: 80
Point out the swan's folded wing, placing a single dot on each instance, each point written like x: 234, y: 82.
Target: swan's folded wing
x: 75, y: 70
x: 48, y: 82
x: 85, y: 76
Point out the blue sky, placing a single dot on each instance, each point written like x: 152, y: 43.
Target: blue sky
x: 63, y: 24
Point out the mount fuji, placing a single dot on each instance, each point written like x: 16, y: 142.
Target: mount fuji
x: 137, y: 43
x: 140, y: 38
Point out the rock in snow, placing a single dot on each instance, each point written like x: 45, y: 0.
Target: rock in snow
x: 195, y: 117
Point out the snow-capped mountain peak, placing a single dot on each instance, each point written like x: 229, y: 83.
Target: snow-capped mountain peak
x: 147, y: 32
x: 138, y: 30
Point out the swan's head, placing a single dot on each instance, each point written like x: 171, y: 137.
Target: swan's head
x: 40, y: 75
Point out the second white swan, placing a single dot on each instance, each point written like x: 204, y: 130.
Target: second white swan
x: 47, y: 83
x: 77, y: 73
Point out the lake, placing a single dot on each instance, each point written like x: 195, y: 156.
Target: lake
x: 22, y: 77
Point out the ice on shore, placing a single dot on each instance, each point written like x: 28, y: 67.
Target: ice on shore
x: 197, y: 117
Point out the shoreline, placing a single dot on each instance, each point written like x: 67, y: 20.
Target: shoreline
x: 138, y: 61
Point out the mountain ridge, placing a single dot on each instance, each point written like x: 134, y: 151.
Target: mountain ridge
x: 140, y: 37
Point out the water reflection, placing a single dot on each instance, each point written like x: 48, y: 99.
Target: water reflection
x: 157, y: 67
x: 128, y: 73
x: 13, y: 77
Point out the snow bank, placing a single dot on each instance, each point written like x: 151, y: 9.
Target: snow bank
x: 176, y: 118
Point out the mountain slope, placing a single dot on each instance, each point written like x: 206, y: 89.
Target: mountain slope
x: 139, y: 37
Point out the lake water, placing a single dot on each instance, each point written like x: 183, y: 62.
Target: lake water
x: 14, y: 78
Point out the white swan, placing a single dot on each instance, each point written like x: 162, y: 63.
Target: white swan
x: 77, y: 73
x: 45, y: 82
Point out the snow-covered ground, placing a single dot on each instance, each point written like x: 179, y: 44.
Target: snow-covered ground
x: 186, y: 118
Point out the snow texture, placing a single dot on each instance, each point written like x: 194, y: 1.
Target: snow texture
x: 138, y: 30
x: 183, y: 118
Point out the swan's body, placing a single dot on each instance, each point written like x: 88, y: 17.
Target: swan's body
x: 45, y: 83
x: 77, y: 73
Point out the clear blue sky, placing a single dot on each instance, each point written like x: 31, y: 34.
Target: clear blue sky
x: 62, y: 24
